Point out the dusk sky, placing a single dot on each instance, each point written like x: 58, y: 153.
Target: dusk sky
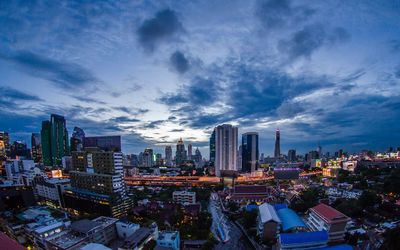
x: 323, y: 72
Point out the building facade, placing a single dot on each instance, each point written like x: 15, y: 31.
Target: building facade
x: 250, y: 153
x: 226, y: 146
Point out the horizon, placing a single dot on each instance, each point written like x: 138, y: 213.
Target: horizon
x: 155, y: 72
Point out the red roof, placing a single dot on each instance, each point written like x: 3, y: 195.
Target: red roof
x: 251, y: 189
x: 329, y: 213
x: 8, y: 243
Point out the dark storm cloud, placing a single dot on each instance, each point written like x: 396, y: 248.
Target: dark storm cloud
x: 275, y: 14
x: 16, y: 95
x: 165, y: 25
x: 309, y: 39
x: 65, y: 75
x: 179, y: 62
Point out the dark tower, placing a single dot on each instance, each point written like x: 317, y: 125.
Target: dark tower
x: 277, y: 153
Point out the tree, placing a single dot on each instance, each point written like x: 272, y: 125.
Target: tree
x: 250, y: 218
x: 369, y: 199
x: 392, y: 239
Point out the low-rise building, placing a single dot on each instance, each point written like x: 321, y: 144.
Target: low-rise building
x: 303, y: 240
x: 169, y: 239
x: 184, y: 197
x: 268, y: 222
x: 50, y: 191
x: 140, y: 237
x: 251, y: 193
x: 324, y: 217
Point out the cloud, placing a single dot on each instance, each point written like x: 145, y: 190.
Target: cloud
x: 164, y: 26
x: 179, y: 62
x: 13, y: 94
x: 304, y: 42
x: 275, y: 14
x: 124, y: 119
x: 87, y: 99
x: 132, y: 111
x: 65, y: 75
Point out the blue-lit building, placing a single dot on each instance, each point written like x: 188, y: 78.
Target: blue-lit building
x: 290, y: 221
x: 303, y: 240
x: 169, y: 240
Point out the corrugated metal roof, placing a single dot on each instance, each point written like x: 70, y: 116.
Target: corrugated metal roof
x: 289, y: 219
x: 303, y: 237
x: 268, y: 213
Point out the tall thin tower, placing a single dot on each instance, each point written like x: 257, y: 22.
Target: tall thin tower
x: 277, y: 153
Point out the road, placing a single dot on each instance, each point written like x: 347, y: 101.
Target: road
x: 235, y: 237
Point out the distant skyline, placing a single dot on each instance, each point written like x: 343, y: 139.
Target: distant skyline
x: 324, y: 72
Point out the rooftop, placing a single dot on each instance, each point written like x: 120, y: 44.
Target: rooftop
x: 168, y: 235
x: 8, y: 243
x: 268, y: 213
x: 251, y: 189
x: 303, y: 237
x: 329, y: 213
x: 290, y: 219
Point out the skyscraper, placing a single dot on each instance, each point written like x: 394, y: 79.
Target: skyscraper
x: 277, y: 152
x: 36, y: 148
x: 77, y: 138
x: 168, y: 156
x: 212, y: 147
x: 4, y: 145
x: 59, y: 139
x: 197, y: 158
x: 54, y: 140
x: 250, y: 152
x: 226, y: 146
x: 292, y: 155
x: 148, y: 159
x: 106, y: 143
x: 45, y: 138
x: 180, y: 156
x: 189, y: 156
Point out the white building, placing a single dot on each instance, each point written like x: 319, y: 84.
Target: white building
x: 50, y: 191
x: 226, y: 147
x: 184, y: 197
x: 169, y: 239
x: 14, y: 167
x: 126, y: 229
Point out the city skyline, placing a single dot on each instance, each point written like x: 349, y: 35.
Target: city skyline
x: 153, y: 73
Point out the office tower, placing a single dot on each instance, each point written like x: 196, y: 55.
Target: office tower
x: 189, y: 157
x: 36, y: 148
x: 148, y: 159
x: 4, y: 145
x: 59, y: 139
x: 239, y: 158
x: 212, y: 147
x: 19, y: 150
x: 159, y: 160
x: 77, y: 138
x: 197, y: 158
x: 134, y: 160
x: 168, y: 156
x: 277, y: 152
x: 312, y: 155
x: 250, y: 152
x: 292, y: 155
x: 54, y: 140
x: 106, y: 143
x: 180, y: 157
x: 45, y: 138
x: 226, y: 145
x: 97, y: 185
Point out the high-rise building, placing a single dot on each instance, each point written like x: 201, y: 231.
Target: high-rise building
x: 212, y: 147
x: 97, y: 185
x: 277, y: 152
x: 59, y: 139
x: 168, y: 156
x: 19, y: 150
x: 4, y: 145
x: 36, y: 148
x: 77, y: 138
x: 197, y: 158
x: 292, y: 155
x: 189, y: 156
x: 45, y: 135
x: 159, y: 160
x: 148, y: 158
x: 250, y: 152
x: 106, y: 143
x: 180, y: 156
x: 239, y: 158
x: 54, y: 140
x: 226, y: 146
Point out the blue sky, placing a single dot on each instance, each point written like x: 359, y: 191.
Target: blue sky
x: 324, y: 72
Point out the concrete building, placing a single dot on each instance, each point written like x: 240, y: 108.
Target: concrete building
x: 226, y: 146
x: 250, y: 153
x: 268, y: 222
x: 140, y: 237
x: 168, y: 156
x: 324, y: 217
x: 15, y: 197
x: 184, y: 197
x: 126, y: 229
x: 50, y: 191
x: 180, y: 154
x: 169, y: 240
